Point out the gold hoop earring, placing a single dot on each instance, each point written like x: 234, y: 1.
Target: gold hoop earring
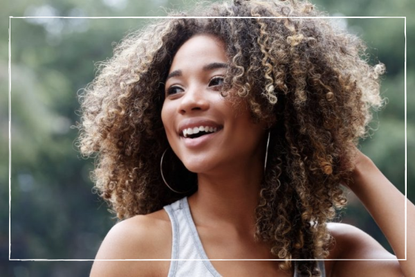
x: 164, y: 179
x: 266, y: 151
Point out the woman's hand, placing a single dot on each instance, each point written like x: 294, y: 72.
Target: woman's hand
x: 386, y: 204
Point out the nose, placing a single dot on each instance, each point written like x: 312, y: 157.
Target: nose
x: 194, y: 99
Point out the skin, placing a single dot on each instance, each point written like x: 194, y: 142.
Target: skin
x: 229, y: 164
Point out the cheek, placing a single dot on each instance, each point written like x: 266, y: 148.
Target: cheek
x: 251, y: 133
x: 166, y: 113
x: 167, y: 119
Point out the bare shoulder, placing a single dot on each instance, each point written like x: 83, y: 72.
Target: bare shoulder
x: 140, y: 237
x: 351, y: 243
x: 136, y: 237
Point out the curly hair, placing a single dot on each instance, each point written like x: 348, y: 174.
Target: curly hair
x: 308, y: 80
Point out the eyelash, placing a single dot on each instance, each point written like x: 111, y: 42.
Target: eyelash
x: 173, y: 89
x: 217, y: 78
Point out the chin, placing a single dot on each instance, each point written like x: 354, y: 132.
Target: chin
x: 195, y: 168
x: 197, y: 165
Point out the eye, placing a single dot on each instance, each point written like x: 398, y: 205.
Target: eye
x: 216, y: 81
x: 173, y: 90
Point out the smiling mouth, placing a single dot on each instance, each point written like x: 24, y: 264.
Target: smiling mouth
x: 196, y: 132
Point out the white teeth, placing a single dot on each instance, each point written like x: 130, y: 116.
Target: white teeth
x: 196, y: 130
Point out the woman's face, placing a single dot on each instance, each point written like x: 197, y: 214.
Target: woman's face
x: 206, y: 131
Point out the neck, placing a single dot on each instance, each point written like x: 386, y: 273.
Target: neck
x: 229, y: 198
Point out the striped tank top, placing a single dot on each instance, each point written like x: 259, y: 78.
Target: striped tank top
x: 188, y: 256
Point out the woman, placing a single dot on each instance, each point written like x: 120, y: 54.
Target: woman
x: 231, y: 139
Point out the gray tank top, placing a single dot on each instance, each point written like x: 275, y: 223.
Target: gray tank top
x: 188, y: 256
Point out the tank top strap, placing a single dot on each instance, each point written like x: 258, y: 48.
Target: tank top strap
x: 188, y: 256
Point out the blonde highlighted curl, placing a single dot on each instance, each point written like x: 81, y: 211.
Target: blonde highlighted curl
x: 305, y: 78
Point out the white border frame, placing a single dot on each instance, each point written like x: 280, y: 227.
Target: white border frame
x: 201, y: 17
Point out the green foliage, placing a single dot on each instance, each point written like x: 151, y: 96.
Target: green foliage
x: 54, y: 213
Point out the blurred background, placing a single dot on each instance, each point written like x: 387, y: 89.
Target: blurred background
x: 54, y: 213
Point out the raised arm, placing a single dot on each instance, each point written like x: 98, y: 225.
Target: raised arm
x: 386, y: 204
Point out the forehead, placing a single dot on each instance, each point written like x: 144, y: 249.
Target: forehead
x: 200, y: 49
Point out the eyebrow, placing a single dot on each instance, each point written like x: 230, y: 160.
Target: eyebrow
x: 208, y: 67
x: 174, y: 73
x: 213, y: 66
